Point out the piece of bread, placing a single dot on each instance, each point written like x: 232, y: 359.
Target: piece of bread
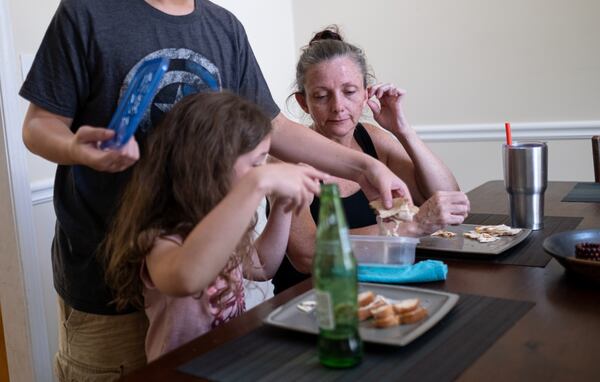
x: 413, y: 316
x: 364, y: 313
x: 365, y: 298
x: 402, y: 209
x: 388, y: 321
x: 386, y: 315
x: 379, y: 301
x: 382, y: 311
x: 407, y: 305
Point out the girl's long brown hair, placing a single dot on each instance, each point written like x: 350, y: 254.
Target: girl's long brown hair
x: 184, y: 172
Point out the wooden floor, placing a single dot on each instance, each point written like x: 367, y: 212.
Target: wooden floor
x: 3, y: 361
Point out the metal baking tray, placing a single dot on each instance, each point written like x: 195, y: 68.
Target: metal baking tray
x: 462, y: 245
x: 438, y: 304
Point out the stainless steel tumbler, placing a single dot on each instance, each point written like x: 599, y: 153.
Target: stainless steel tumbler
x: 526, y: 179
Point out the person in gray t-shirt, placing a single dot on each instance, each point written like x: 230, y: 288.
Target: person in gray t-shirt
x: 85, y: 62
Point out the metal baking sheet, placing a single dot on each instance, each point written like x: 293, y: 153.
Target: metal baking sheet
x: 438, y: 304
x: 464, y: 245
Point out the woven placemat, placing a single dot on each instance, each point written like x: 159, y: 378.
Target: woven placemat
x: 442, y: 353
x: 584, y: 192
x: 528, y: 253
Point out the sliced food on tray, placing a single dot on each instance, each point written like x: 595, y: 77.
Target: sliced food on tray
x: 383, y: 311
x: 491, y: 233
x: 498, y: 230
x: 387, y: 313
x: 482, y: 237
x: 443, y: 233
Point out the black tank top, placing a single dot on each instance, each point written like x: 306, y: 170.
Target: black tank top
x: 356, y: 207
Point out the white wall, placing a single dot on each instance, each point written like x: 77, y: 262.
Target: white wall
x: 462, y: 62
x: 475, y: 61
x: 30, y: 20
x: 20, y: 274
x: 480, y: 62
x: 44, y: 218
x: 271, y: 41
x: 269, y: 25
x: 467, y: 61
x: 477, y: 161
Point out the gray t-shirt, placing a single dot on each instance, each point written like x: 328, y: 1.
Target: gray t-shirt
x: 85, y: 62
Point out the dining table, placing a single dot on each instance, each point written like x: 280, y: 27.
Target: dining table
x: 557, y: 339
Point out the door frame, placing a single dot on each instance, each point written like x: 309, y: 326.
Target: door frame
x: 21, y: 293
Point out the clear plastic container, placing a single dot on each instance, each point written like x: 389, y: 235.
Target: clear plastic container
x: 397, y: 250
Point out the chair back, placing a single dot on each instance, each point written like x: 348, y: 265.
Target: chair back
x: 596, y: 156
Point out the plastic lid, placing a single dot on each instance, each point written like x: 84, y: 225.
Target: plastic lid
x: 136, y: 100
x: 389, y: 239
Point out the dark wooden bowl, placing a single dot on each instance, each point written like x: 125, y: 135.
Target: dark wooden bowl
x: 561, y: 246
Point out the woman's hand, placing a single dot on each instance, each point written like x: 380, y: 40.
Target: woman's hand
x: 83, y: 148
x: 442, y: 209
x: 388, y: 112
x: 293, y: 185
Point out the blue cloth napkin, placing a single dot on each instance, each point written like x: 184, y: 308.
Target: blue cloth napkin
x: 423, y: 271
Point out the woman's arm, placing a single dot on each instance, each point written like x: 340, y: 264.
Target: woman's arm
x: 270, y: 246
x: 430, y: 172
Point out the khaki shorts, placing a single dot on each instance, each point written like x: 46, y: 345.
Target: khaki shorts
x: 98, y: 348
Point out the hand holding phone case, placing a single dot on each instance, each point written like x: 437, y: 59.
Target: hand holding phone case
x: 136, y: 100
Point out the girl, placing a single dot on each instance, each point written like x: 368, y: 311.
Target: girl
x: 182, y: 239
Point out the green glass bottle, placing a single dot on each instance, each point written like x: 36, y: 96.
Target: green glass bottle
x: 336, y: 285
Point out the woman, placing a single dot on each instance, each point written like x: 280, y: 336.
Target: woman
x: 331, y: 79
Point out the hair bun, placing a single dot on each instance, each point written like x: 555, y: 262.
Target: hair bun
x: 329, y: 33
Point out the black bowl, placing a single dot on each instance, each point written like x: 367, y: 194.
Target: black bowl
x: 562, y: 247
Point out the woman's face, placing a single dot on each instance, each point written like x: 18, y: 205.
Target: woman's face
x: 334, y: 96
x: 254, y: 158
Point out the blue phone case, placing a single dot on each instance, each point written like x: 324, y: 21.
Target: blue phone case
x: 136, y: 100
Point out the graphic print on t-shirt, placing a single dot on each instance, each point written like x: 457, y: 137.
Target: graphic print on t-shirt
x: 189, y: 72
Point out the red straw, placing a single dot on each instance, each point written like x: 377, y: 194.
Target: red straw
x: 508, y: 133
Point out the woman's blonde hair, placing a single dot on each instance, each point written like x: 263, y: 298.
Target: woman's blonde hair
x: 184, y: 172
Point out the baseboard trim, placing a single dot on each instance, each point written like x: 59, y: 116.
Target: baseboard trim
x: 520, y: 131
x: 42, y: 191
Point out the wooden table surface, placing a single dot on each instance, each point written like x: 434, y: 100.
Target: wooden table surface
x: 557, y: 340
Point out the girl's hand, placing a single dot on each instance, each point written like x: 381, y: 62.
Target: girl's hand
x: 293, y: 185
x: 84, y: 149
x: 388, y: 112
x: 442, y: 209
